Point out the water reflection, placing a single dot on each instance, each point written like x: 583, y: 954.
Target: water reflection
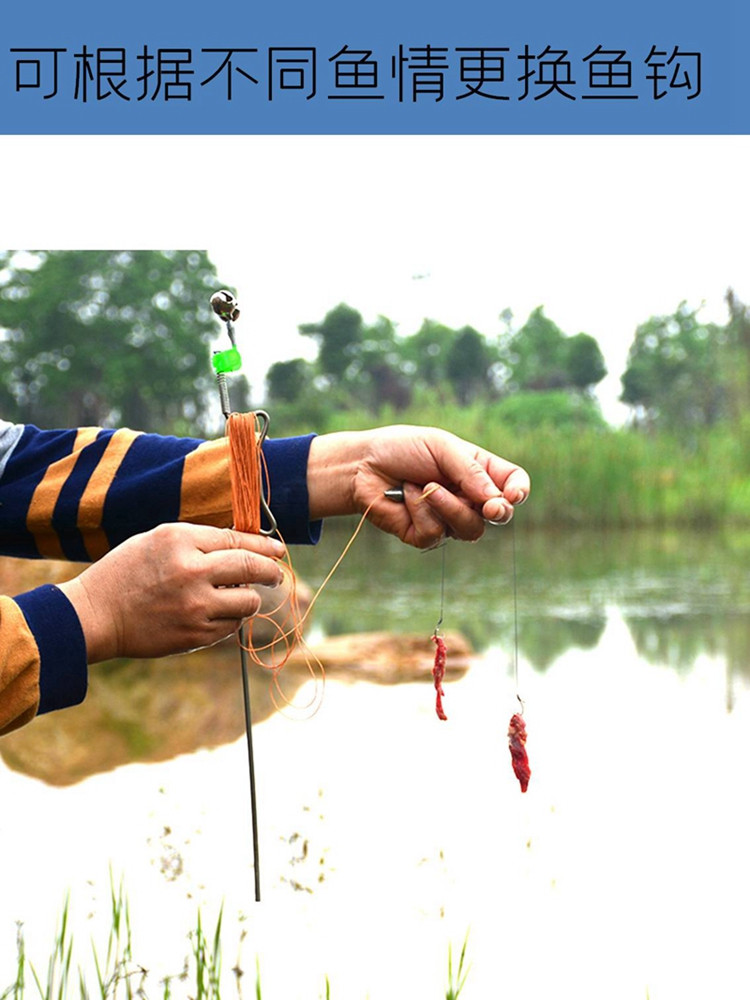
x: 143, y: 711
x: 681, y: 596
x: 546, y: 639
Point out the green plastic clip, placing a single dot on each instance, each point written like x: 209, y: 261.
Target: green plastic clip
x: 226, y: 361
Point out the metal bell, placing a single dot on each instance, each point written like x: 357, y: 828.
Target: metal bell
x: 224, y: 304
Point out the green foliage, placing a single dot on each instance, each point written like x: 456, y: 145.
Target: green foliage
x: 372, y: 370
x: 377, y: 377
x: 426, y: 353
x: 338, y: 335
x: 539, y: 357
x: 535, y: 354
x: 596, y: 475
x: 207, y: 958
x: 119, y: 970
x: 56, y: 984
x: 289, y: 381
x: 16, y: 990
x: 584, y: 362
x: 548, y: 409
x: 467, y: 365
x: 623, y: 478
x: 457, y: 981
x: 122, y: 338
x: 104, y: 338
x: 677, y: 371
x: 361, y: 364
x: 736, y: 367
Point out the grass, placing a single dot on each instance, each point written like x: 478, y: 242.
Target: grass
x: 456, y: 982
x: 58, y: 968
x: 606, y: 477
x: 117, y: 975
x: 207, y: 961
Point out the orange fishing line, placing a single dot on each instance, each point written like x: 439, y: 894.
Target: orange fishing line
x: 247, y: 474
x: 244, y: 471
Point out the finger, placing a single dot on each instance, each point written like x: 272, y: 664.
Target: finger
x: 512, y: 480
x: 228, y: 538
x: 480, y: 475
x: 427, y: 528
x: 234, y: 604
x: 231, y: 567
x: 207, y: 538
x: 458, y: 516
x: 213, y: 632
x: 497, y: 510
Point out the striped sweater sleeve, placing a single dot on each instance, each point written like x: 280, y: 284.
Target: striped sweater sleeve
x: 75, y: 494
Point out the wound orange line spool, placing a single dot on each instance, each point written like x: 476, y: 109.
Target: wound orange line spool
x: 244, y: 471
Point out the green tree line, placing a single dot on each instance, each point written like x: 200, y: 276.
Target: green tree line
x: 370, y: 368
x: 105, y: 337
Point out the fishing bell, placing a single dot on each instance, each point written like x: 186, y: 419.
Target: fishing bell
x: 224, y: 304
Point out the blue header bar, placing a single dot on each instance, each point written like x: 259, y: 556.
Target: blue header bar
x: 399, y: 67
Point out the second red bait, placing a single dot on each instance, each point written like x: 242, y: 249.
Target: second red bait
x: 517, y: 741
x: 438, y: 672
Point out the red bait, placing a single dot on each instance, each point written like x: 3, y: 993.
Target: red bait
x: 438, y: 672
x: 517, y: 740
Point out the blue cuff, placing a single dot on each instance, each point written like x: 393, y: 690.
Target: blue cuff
x: 286, y: 461
x: 63, y: 670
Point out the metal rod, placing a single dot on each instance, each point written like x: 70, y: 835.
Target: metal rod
x: 250, y: 756
x: 225, y: 306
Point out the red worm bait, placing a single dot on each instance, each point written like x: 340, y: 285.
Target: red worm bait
x: 517, y: 741
x: 438, y: 672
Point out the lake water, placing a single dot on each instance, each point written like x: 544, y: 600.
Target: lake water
x: 386, y: 835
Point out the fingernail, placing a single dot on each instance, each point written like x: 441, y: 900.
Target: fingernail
x: 522, y: 497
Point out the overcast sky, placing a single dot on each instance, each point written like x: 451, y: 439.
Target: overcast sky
x: 602, y: 231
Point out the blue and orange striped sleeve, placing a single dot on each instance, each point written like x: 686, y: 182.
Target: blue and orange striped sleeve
x: 75, y: 494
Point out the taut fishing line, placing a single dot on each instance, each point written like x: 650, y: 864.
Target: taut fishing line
x: 441, y: 650
x: 517, y: 726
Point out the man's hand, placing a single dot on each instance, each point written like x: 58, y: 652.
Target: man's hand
x: 450, y: 486
x: 178, y: 587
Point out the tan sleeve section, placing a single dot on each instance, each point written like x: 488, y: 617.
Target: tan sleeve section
x: 206, y: 496
x: 91, y: 508
x: 42, y: 506
x: 19, y: 668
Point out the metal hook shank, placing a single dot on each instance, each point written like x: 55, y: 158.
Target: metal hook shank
x: 272, y: 528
